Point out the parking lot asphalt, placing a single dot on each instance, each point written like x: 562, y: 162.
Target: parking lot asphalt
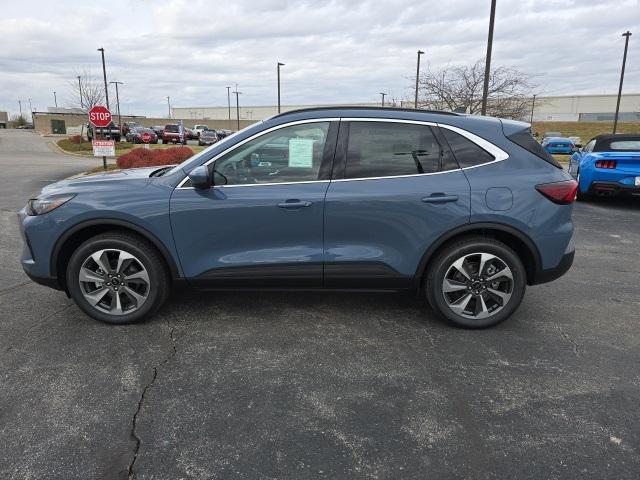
x: 321, y: 385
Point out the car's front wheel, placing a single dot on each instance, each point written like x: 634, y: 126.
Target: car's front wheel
x: 117, y: 278
x: 476, y: 282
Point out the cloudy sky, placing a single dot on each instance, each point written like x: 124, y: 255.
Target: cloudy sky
x: 336, y: 51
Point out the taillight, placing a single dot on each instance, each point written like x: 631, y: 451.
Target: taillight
x: 561, y: 193
x: 606, y: 164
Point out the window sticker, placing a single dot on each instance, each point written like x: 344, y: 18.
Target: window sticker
x: 301, y: 152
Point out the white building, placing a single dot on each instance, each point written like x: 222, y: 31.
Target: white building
x: 569, y: 108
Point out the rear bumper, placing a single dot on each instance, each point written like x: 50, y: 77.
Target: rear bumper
x: 551, y: 274
x: 612, y: 189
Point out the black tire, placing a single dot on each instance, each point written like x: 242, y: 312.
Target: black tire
x: 444, y: 260
x: 145, y: 253
x: 583, y: 197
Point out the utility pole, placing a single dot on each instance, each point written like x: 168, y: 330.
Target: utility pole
x: 533, y: 105
x: 237, y: 105
x: 383, y: 95
x: 415, y: 103
x: 487, y: 61
x: 55, y: 99
x: 80, y: 90
x: 229, y: 101
x: 279, y: 65
x: 169, y: 105
x: 104, y: 75
x: 626, y: 34
x: 118, y: 104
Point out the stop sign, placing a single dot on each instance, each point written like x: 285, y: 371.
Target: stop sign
x: 100, y: 116
x: 146, y: 137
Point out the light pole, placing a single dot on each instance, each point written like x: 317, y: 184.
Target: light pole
x: 118, y: 104
x: 533, y: 105
x: 237, y: 105
x: 487, y: 62
x: 279, y: 65
x: 31, y: 110
x: 229, y: 101
x: 55, y: 99
x: 415, y: 103
x: 626, y: 34
x: 80, y: 90
x: 104, y: 76
x: 383, y: 95
x: 169, y: 105
x: 20, y: 107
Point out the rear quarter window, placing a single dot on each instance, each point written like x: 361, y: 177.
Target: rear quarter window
x: 525, y: 139
x: 627, y: 145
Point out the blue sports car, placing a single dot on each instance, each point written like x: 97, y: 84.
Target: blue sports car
x: 608, y: 165
x: 558, y: 145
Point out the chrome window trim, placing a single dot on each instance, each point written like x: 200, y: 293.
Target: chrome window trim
x: 252, y: 137
x: 498, y: 154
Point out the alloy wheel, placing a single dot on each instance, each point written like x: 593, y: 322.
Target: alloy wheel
x: 478, y: 285
x: 114, y: 281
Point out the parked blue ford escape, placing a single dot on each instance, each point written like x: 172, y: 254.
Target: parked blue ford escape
x: 467, y: 209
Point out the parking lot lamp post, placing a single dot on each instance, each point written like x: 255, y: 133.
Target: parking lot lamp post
x: 626, y: 34
x: 55, y: 99
x: 383, y: 95
x: 118, y: 105
x: 229, y: 101
x: 279, y: 65
x: 487, y: 61
x: 104, y: 76
x: 415, y: 103
x: 533, y: 105
x: 237, y: 106
x: 169, y: 105
x: 80, y: 90
x: 20, y: 107
x: 31, y: 110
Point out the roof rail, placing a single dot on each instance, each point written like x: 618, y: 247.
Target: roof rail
x: 355, y: 107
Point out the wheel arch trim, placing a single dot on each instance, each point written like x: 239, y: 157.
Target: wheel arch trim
x: 111, y: 222
x: 470, y: 227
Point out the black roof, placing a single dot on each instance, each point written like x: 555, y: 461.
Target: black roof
x: 356, y: 107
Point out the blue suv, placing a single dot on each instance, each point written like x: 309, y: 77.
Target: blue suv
x: 465, y: 209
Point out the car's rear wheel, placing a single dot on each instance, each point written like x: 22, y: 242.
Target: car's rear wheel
x: 117, y: 278
x: 476, y: 282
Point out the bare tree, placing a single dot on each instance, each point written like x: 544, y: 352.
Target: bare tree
x: 460, y: 87
x: 88, y: 92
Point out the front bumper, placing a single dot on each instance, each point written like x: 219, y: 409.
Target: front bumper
x: 35, y: 266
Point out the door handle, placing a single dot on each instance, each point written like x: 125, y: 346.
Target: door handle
x: 440, y: 198
x: 292, y: 204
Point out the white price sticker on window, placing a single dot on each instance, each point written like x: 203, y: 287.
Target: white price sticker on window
x: 301, y: 152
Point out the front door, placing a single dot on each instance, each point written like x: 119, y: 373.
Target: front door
x: 396, y: 189
x: 261, y: 224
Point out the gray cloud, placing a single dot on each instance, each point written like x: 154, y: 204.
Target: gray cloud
x: 335, y: 51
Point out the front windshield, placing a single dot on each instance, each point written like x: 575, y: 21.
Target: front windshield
x: 205, y: 153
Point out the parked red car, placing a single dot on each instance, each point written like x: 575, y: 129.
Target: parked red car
x: 172, y: 134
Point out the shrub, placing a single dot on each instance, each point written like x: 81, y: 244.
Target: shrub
x: 142, y: 157
x: 75, y: 139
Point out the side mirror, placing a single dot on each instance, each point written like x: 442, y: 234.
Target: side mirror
x: 200, y: 177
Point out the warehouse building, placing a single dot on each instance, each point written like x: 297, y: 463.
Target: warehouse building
x: 566, y: 108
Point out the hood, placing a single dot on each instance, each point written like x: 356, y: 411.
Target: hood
x: 117, y: 180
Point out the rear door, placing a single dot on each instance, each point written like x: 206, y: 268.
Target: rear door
x: 395, y: 190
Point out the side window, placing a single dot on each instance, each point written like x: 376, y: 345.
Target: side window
x: 289, y: 154
x: 384, y: 149
x: 466, y: 152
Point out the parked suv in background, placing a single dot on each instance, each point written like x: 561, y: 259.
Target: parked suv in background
x: 467, y: 210
x: 171, y: 133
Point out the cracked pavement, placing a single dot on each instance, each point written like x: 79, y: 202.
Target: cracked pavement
x: 267, y: 385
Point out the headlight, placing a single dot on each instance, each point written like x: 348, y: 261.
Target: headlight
x: 40, y: 206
